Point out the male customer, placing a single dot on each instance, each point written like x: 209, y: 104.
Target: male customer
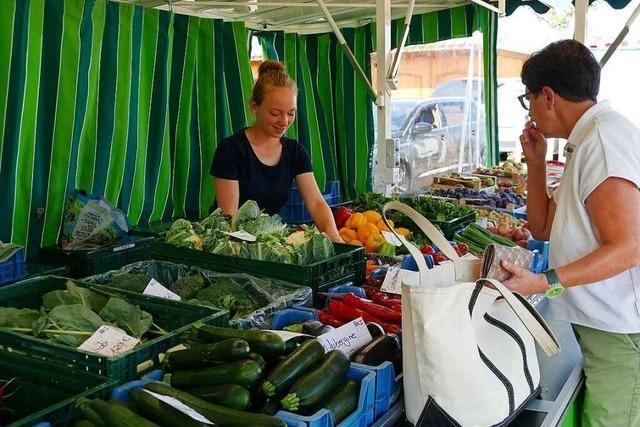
x: 592, y: 222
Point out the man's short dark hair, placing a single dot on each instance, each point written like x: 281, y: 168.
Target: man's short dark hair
x: 567, y: 67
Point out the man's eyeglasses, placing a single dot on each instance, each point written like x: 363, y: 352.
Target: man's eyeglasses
x: 524, y: 101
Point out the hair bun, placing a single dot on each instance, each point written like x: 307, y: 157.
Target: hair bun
x: 270, y: 66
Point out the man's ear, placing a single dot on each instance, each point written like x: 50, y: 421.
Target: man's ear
x: 550, y: 96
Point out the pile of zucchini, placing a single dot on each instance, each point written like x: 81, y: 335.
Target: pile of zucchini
x: 236, y: 378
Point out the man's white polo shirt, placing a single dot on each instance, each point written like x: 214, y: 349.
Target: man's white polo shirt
x: 606, y: 145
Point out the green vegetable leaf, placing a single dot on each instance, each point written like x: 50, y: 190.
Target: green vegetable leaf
x: 129, y: 317
x: 18, y: 317
x: 72, y: 324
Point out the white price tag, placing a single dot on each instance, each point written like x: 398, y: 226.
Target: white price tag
x: 391, y: 238
x: 175, y: 403
x: 123, y: 247
x: 348, y: 338
x: 109, y: 341
x: 392, y: 283
x: 287, y: 335
x: 155, y: 289
x: 242, y: 235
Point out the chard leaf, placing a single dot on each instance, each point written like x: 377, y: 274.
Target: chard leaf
x: 129, y: 317
x: 11, y: 317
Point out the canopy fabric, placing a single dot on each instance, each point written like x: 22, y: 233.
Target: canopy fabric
x: 115, y: 99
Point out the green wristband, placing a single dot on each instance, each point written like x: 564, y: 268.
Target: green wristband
x: 555, y: 287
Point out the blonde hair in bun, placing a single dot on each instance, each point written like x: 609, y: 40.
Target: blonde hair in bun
x: 270, y: 74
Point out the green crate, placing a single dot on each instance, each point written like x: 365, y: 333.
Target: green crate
x: 348, y: 265
x: 173, y: 316
x: 450, y: 228
x: 46, y: 391
x: 156, y: 229
x: 83, y: 263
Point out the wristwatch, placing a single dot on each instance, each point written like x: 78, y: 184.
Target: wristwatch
x: 555, y: 288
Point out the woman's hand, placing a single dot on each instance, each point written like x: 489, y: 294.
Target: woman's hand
x: 534, y: 144
x: 317, y: 206
x: 524, y: 281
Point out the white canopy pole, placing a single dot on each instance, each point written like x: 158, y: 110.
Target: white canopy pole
x: 623, y: 33
x: 385, y: 169
x: 393, y: 71
x: 582, y: 7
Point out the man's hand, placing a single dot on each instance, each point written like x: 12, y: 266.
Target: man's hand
x: 524, y: 281
x: 534, y: 144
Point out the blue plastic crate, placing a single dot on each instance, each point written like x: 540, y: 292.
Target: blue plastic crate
x: 289, y: 316
x: 540, y: 250
x: 385, y: 385
x: 362, y: 417
x: 13, y: 268
x: 295, y: 211
x: 392, y: 417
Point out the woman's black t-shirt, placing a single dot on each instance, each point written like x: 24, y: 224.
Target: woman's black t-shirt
x: 269, y: 186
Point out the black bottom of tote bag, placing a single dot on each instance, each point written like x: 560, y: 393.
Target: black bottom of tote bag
x: 434, y: 416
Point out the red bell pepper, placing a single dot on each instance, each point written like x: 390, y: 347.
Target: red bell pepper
x: 380, y: 311
x: 384, y: 299
x: 347, y: 313
x: 341, y: 214
x: 328, y: 319
x: 428, y: 250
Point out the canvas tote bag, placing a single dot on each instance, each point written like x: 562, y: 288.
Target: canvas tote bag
x: 468, y: 350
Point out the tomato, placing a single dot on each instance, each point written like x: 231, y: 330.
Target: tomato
x: 428, y: 250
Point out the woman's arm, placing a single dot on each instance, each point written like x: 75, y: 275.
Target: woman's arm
x: 614, y: 208
x: 317, y: 206
x: 227, y: 194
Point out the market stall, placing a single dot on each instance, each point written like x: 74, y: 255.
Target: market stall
x: 140, y: 305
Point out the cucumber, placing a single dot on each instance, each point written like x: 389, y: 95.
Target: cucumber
x: 224, y: 351
x: 218, y: 414
x: 259, y: 359
x: 229, y: 395
x: 265, y: 343
x: 243, y: 372
x: 161, y: 412
x: 115, y: 415
x: 343, y: 401
x: 290, y: 369
x: 311, y: 388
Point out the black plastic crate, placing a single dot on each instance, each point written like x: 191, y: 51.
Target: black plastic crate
x: 84, y: 263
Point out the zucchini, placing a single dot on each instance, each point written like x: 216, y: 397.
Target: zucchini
x: 89, y: 413
x: 115, y: 415
x: 290, y: 369
x: 204, y: 355
x: 229, y: 395
x: 84, y: 423
x: 215, y: 413
x: 243, y: 372
x: 343, y: 401
x: 264, y: 342
x: 271, y: 406
x: 161, y: 412
x: 310, y: 389
x: 259, y: 359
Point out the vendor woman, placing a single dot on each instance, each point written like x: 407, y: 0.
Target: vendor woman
x: 259, y: 163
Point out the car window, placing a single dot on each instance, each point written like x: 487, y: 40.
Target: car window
x: 453, y: 113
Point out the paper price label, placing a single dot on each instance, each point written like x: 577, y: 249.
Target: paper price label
x: 392, y: 283
x: 109, y: 341
x: 348, y: 338
x: 123, y: 247
x: 175, y: 403
x: 242, y: 235
x: 287, y: 335
x: 155, y: 288
x: 391, y: 238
